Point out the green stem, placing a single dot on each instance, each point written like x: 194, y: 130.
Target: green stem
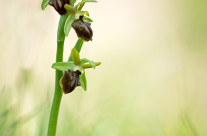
x: 58, y: 93
x: 78, y: 47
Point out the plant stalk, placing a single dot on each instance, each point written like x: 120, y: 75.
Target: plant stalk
x: 58, y: 74
x: 58, y: 93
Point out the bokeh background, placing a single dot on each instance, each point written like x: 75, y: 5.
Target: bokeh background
x: 152, y: 81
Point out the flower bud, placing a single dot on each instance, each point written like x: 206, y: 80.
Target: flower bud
x: 69, y: 81
x: 82, y: 29
x: 59, y: 5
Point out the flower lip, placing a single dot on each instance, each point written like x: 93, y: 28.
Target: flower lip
x: 70, y: 81
x: 83, y: 29
x: 59, y: 5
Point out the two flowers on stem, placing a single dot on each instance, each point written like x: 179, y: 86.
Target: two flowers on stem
x: 74, y: 70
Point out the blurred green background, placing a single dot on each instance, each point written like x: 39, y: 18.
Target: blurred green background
x: 152, y: 81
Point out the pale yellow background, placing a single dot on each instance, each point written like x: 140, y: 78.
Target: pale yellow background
x: 152, y: 81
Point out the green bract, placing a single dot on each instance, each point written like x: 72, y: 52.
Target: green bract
x: 77, y: 64
x: 44, y: 4
x: 68, y: 24
x: 83, y: 81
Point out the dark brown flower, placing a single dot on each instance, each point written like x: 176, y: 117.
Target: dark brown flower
x: 83, y: 29
x: 69, y: 81
x: 59, y: 5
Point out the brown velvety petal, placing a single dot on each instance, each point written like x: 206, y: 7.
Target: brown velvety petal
x: 59, y: 5
x: 70, y: 80
x: 83, y: 29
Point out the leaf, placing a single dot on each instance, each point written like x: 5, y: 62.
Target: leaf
x: 87, y: 19
x: 83, y: 81
x: 85, y: 66
x: 84, y: 1
x: 68, y: 24
x: 63, y: 66
x: 44, y: 4
x: 75, y: 56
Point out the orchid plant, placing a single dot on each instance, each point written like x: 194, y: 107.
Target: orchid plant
x: 71, y: 73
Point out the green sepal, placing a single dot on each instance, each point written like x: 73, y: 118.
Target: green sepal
x: 73, y: 2
x: 86, y: 66
x: 81, y: 13
x: 68, y: 24
x: 87, y: 19
x: 75, y: 56
x: 70, y: 9
x: 44, y: 4
x: 84, y: 60
x: 83, y: 81
x: 84, y: 1
x: 63, y: 66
